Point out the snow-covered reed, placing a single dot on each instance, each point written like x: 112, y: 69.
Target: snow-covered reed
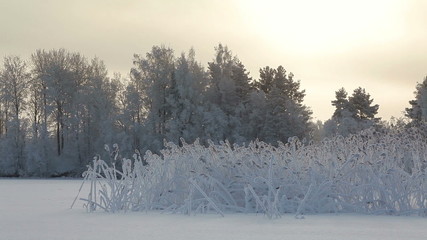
x: 371, y: 172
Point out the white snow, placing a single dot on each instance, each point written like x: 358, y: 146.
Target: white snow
x: 40, y: 209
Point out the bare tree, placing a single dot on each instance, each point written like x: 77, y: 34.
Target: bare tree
x: 14, y: 88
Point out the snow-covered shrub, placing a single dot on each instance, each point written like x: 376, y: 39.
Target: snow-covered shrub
x: 371, y: 172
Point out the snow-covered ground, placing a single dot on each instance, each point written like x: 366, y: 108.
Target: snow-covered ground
x: 40, y: 209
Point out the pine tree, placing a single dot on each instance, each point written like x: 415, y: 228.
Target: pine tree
x: 242, y: 81
x: 340, y: 103
x: 352, y: 113
x: 256, y: 115
x: 276, y: 127
x: 418, y: 110
x: 361, y: 105
x: 286, y: 115
x: 266, y: 76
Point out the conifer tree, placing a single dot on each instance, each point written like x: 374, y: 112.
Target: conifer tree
x: 352, y: 113
x: 418, y: 110
x: 286, y: 115
x: 340, y: 103
x: 266, y: 76
x: 360, y: 104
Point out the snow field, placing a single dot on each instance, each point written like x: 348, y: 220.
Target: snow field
x: 40, y: 209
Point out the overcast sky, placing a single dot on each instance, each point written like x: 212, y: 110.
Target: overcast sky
x: 380, y: 45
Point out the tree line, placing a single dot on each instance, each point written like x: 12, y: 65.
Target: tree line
x: 59, y: 108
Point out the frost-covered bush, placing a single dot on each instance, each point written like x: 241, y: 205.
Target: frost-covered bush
x: 371, y: 172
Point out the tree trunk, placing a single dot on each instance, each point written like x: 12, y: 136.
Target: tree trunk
x: 58, y: 142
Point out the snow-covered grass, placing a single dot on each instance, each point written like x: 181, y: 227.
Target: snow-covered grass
x: 40, y: 209
x: 372, y: 172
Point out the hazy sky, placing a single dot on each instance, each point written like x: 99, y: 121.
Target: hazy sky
x: 380, y: 45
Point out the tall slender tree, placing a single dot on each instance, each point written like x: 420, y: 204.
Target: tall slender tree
x: 340, y: 103
x: 186, y: 100
x: 14, y: 83
x: 152, y: 77
x: 229, y: 89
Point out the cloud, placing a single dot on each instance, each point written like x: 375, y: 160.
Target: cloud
x: 379, y: 45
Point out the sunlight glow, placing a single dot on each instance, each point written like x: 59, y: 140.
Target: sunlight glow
x: 319, y: 26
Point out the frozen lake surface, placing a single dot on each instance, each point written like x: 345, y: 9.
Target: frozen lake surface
x: 40, y: 209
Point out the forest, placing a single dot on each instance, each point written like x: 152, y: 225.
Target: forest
x: 59, y: 109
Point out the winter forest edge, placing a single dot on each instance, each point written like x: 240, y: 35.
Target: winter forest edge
x: 58, y: 110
